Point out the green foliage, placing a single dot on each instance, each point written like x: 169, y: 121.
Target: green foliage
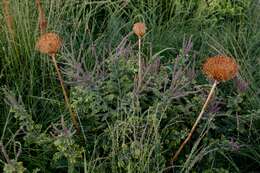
x: 220, y: 170
x: 136, y: 145
x: 220, y: 11
x: 25, y: 122
x: 14, y: 167
x: 126, y: 128
x: 67, y: 147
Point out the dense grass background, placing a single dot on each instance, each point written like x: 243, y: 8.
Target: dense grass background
x: 98, y: 60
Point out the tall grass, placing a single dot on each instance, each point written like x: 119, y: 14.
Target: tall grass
x: 95, y: 35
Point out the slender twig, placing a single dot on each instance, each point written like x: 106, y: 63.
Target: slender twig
x: 19, y: 151
x: 72, y: 113
x: 196, y: 122
x: 2, y: 147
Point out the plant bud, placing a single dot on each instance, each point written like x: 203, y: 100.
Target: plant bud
x: 139, y: 29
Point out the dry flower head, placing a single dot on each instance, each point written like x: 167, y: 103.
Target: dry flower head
x: 139, y: 29
x: 220, y: 68
x: 49, y: 43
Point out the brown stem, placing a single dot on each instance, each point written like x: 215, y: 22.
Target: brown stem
x: 72, y: 113
x: 196, y: 122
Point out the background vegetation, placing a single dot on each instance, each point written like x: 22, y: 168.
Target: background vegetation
x: 99, y: 63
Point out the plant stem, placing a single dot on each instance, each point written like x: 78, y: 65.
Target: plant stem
x: 139, y: 63
x: 196, y: 122
x: 72, y: 113
x: 70, y: 167
x: 2, y: 148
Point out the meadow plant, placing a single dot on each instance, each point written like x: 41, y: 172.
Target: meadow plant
x: 66, y: 146
x: 139, y: 29
x: 168, y: 85
x: 50, y: 43
x: 218, y: 68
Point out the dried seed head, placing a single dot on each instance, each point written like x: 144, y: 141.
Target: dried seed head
x: 49, y: 43
x: 220, y: 68
x: 42, y: 18
x: 139, y: 29
x: 8, y: 17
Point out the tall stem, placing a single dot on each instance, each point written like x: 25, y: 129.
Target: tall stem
x: 196, y: 122
x: 139, y: 63
x: 72, y: 113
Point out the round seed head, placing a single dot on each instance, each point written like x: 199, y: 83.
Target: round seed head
x: 220, y: 68
x: 139, y: 29
x: 49, y: 43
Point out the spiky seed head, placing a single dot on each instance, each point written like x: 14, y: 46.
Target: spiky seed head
x: 49, y: 43
x: 220, y: 68
x: 139, y: 29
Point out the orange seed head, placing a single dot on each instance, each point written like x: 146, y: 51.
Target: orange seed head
x: 220, y: 68
x: 49, y: 43
x: 139, y: 29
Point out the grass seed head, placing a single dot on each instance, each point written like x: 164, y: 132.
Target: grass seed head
x: 49, y: 43
x: 220, y: 68
x: 139, y: 29
x: 42, y: 19
x: 8, y: 17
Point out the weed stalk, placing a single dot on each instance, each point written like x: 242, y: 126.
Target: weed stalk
x: 66, y: 98
x: 196, y: 122
x: 139, y: 63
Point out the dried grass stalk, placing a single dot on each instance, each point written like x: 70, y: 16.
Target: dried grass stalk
x: 42, y: 22
x: 8, y: 18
